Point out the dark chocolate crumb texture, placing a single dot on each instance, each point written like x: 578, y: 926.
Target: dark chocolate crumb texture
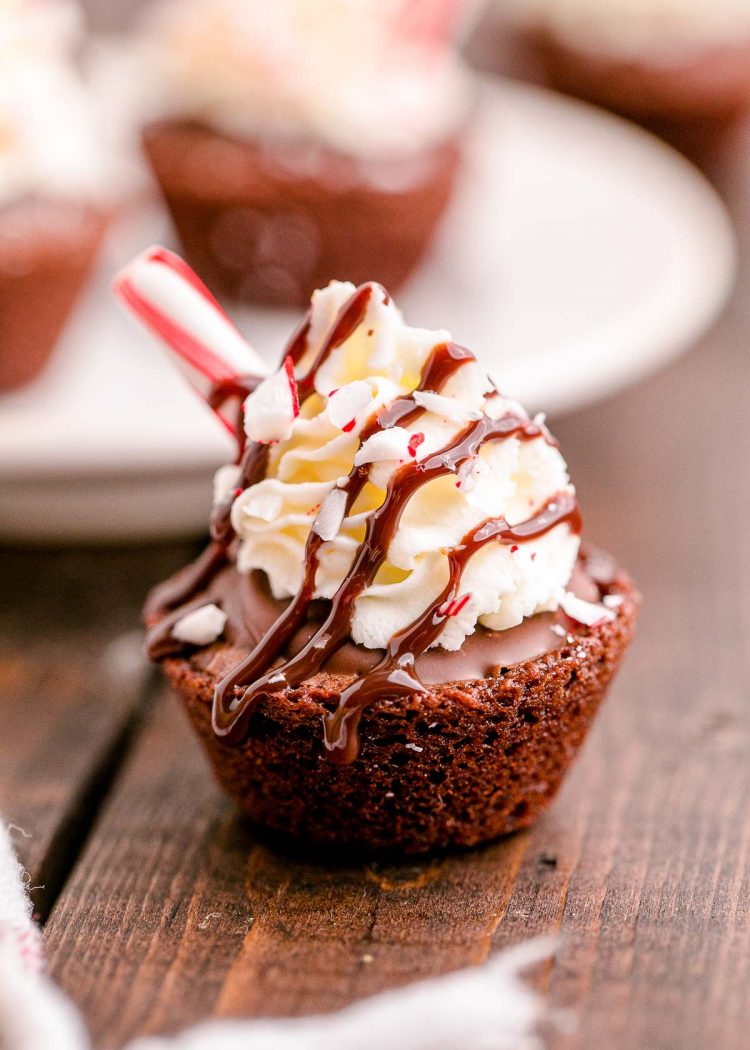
x: 393, y: 640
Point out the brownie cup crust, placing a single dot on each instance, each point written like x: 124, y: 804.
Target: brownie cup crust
x: 271, y: 224
x: 456, y: 766
x: 47, y: 251
x: 710, y: 84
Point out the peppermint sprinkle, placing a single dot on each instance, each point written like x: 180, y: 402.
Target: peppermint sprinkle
x: 414, y: 747
x: 201, y: 626
x: 348, y: 403
x: 330, y: 515
x: 292, y: 380
x: 587, y: 613
x: 454, y: 607
x: 414, y: 442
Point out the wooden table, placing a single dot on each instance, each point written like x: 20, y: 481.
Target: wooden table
x: 161, y: 907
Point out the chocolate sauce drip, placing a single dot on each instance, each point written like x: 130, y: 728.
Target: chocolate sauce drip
x: 297, y: 345
x: 441, y: 364
x: 252, y: 470
x: 348, y: 319
x: 159, y: 641
x: 230, y: 719
x: 253, y: 458
x: 237, y: 389
x: 196, y: 577
x: 188, y: 582
x: 396, y: 675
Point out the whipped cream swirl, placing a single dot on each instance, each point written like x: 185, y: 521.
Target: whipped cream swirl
x: 357, y: 75
x: 51, y: 141
x: 335, y: 431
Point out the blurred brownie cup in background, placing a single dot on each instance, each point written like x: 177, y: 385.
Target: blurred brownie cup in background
x: 53, y: 182
x: 670, y: 60
x: 291, y: 131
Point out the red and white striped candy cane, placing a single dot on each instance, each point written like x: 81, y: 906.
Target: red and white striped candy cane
x: 161, y: 290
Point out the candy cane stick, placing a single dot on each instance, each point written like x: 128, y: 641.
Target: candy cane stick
x: 161, y: 290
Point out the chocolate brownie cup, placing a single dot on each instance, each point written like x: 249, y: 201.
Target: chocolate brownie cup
x: 300, y: 144
x: 394, y: 641
x: 54, y: 182
x: 654, y: 59
x: 47, y: 250
x: 459, y: 764
x: 712, y: 84
x: 266, y: 224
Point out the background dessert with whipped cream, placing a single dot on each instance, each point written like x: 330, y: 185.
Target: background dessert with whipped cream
x: 675, y: 60
x: 56, y: 180
x: 395, y: 563
x: 302, y: 142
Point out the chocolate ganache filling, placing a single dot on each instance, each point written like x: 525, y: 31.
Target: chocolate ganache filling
x: 290, y: 642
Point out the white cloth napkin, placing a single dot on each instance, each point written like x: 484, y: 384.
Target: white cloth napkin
x: 481, y: 1008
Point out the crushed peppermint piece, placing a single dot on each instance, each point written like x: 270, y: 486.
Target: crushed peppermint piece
x: 514, y: 548
x: 271, y: 409
x: 330, y: 516
x: 414, y: 442
x: 471, y: 469
x: 587, y: 613
x: 449, y: 407
x: 201, y: 626
x: 454, y: 607
x: 558, y: 629
x: 385, y: 445
x: 292, y: 381
x: 414, y: 747
x: 613, y: 601
x: 348, y: 403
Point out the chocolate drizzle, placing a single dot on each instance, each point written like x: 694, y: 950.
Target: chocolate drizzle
x: 231, y: 712
x: 182, y: 587
x: 348, y: 319
x: 443, y: 361
x: 237, y: 390
x: 252, y: 457
x: 396, y: 674
x: 263, y: 671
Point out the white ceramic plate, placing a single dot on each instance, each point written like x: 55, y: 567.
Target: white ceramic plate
x: 579, y: 253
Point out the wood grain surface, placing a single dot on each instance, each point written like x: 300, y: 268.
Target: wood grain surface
x: 177, y: 910
x: 72, y: 680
